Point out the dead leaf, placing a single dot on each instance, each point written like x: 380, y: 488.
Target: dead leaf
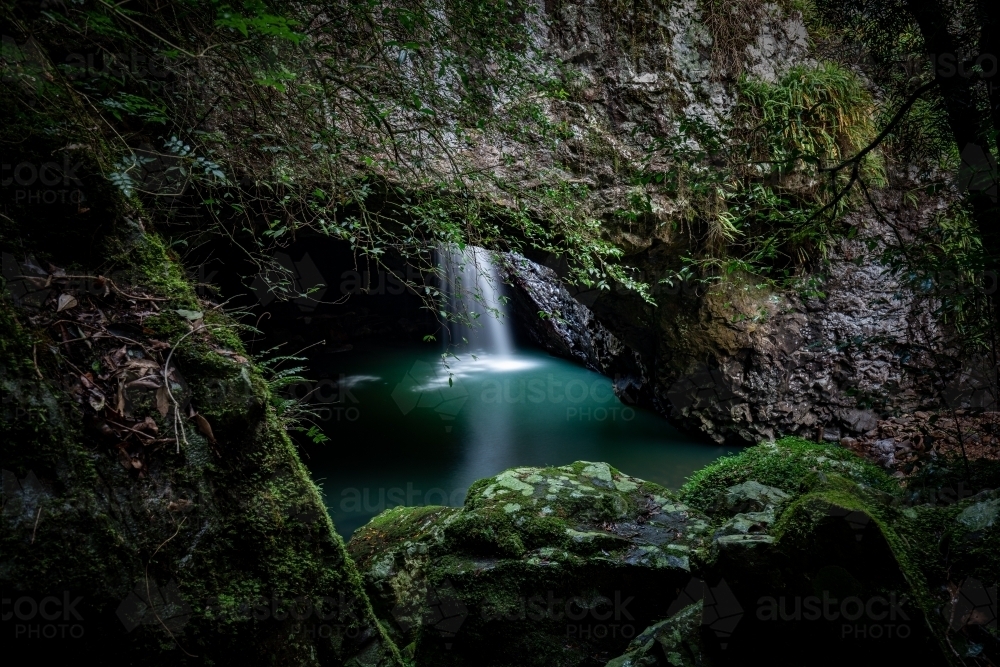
x: 142, y: 366
x: 204, y: 427
x: 147, y: 382
x: 149, y: 426
x: 96, y: 401
x: 66, y: 301
x: 123, y: 456
x: 119, y: 357
x: 162, y: 401
x: 136, y: 463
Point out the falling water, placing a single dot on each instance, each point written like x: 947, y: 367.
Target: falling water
x: 433, y: 423
x: 473, y: 286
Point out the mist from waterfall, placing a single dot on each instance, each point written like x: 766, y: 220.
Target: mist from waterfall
x: 435, y: 420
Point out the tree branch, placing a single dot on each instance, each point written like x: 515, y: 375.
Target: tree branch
x: 888, y: 128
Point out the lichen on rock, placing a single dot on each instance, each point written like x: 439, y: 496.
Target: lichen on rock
x: 531, y: 548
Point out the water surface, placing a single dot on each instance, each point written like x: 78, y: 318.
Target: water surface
x: 407, y: 429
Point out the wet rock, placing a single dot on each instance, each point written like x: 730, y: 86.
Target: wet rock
x: 566, y: 328
x: 752, y: 496
x: 707, y: 587
x: 675, y: 641
x: 531, y: 547
x: 884, y: 452
x: 980, y: 516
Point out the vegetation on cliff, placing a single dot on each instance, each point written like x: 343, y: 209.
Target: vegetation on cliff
x: 147, y: 462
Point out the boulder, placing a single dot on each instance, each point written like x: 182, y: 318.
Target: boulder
x: 547, y: 566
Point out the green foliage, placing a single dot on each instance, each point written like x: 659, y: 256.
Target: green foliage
x: 755, y: 189
x: 369, y: 127
x: 948, y: 265
x: 254, y: 15
x: 292, y: 412
x: 813, y: 116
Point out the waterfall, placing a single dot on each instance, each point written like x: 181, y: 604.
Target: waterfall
x: 472, y: 283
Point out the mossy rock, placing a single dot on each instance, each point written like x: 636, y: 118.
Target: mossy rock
x: 674, y: 642
x: 914, y: 577
x: 217, y: 551
x: 791, y: 465
x: 789, y: 526
x: 545, y: 566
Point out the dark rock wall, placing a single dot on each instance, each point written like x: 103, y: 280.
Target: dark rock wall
x: 732, y: 360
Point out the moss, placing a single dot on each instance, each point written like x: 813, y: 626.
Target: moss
x: 230, y: 533
x: 523, y: 539
x: 239, y: 530
x: 790, y: 464
x: 845, y: 529
x: 911, y: 559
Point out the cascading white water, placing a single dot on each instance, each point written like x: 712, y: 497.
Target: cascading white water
x: 473, y: 286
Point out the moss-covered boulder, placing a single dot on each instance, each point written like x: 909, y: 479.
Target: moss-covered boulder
x: 786, y: 550
x: 818, y: 553
x: 189, y: 536
x: 155, y: 510
x: 542, y: 566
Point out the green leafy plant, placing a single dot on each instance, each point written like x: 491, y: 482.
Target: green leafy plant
x: 293, y: 412
x: 753, y: 189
